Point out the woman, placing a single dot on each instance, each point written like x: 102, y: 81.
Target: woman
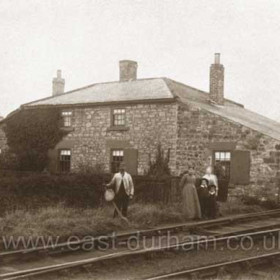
x: 213, y: 207
x: 212, y: 178
x: 191, y: 206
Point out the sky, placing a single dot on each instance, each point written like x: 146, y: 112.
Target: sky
x: 168, y: 38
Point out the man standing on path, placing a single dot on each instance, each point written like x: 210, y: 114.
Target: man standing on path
x: 124, y: 190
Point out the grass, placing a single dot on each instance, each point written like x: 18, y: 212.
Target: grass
x: 65, y: 222
x: 235, y: 206
x: 261, y: 276
x: 241, y: 276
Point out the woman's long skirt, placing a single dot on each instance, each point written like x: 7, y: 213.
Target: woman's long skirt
x: 191, y: 206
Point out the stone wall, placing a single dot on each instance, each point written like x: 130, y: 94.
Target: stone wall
x: 197, y: 129
x: 147, y: 125
x: 3, y: 139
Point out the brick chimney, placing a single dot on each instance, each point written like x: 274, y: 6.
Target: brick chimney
x: 217, y: 81
x: 58, y: 84
x: 128, y: 70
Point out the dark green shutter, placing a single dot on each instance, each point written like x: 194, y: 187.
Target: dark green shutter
x: 131, y: 161
x: 53, y: 160
x: 240, y: 167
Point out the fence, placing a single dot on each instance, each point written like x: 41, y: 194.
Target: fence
x: 153, y: 190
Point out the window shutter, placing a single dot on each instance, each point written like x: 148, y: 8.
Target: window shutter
x: 53, y: 160
x: 131, y: 160
x: 240, y: 167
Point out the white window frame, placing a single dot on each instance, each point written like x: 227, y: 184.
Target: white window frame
x: 67, y: 118
x: 118, y: 117
x: 64, y: 163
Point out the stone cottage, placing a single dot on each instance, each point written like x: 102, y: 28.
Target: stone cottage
x: 126, y: 120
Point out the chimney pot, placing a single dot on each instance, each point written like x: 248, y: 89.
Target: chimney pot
x: 58, y: 84
x: 128, y: 70
x: 217, y: 58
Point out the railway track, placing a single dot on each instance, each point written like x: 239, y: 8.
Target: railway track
x: 229, y: 267
x: 221, y: 230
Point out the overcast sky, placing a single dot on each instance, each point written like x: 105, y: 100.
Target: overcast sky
x: 168, y: 38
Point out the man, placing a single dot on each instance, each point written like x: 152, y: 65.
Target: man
x: 124, y: 189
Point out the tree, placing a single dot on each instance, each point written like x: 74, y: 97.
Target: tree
x: 31, y: 133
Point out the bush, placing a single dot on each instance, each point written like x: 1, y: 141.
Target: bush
x: 160, y: 166
x: 8, y: 161
x: 32, y: 191
x: 27, y: 190
x: 31, y: 134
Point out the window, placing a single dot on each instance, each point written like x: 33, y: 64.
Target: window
x: 222, y: 164
x: 116, y: 158
x: 65, y: 160
x: 222, y: 156
x: 119, y: 117
x: 67, y: 118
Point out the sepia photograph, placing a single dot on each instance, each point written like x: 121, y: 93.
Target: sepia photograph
x: 139, y: 139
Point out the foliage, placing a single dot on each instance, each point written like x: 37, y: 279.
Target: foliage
x: 91, y: 168
x: 31, y: 133
x: 8, y: 161
x: 32, y: 191
x: 159, y: 167
x: 27, y: 190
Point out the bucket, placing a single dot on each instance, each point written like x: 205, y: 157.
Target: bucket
x: 109, y: 195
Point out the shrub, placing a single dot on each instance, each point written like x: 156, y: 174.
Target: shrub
x: 159, y: 167
x: 26, y: 190
x: 8, y: 161
x: 91, y: 168
x: 33, y: 191
x: 30, y: 134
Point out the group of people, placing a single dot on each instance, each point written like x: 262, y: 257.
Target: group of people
x: 199, y: 199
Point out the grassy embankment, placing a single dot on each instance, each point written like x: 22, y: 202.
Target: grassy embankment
x: 64, y: 221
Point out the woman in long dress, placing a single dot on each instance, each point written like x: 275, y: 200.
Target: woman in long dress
x: 191, y: 206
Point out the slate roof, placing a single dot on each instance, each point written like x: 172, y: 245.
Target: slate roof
x: 158, y: 89
x: 144, y: 89
x: 242, y: 116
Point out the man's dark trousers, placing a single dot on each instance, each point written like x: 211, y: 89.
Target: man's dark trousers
x: 121, y: 200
